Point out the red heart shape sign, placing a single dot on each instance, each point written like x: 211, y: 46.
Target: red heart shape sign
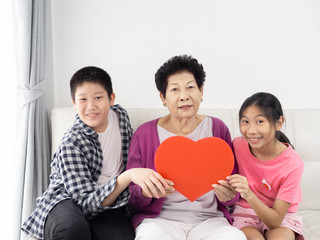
x: 194, y: 166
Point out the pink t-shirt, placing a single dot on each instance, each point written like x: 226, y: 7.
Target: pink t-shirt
x: 277, y: 178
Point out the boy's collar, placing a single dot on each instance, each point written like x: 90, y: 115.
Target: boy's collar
x: 84, y: 127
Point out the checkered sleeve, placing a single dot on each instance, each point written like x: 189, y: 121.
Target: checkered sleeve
x: 76, y: 164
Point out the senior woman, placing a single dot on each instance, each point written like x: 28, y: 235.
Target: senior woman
x: 158, y: 211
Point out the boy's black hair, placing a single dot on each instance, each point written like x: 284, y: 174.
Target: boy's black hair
x: 179, y: 64
x: 91, y: 74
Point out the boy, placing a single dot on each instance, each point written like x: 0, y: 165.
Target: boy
x: 88, y: 193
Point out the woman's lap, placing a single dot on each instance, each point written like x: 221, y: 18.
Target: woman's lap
x: 211, y: 229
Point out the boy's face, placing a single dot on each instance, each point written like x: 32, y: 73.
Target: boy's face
x: 93, y: 104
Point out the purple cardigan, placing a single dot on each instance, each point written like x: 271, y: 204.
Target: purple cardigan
x: 144, y: 144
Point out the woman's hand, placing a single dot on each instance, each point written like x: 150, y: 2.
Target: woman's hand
x: 153, y: 185
x: 224, y: 191
x: 168, y: 191
x: 240, y: 184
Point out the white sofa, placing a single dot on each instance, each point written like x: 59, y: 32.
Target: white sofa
x: 302, y: 127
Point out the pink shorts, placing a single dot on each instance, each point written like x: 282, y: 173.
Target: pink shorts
x: 246, y: 217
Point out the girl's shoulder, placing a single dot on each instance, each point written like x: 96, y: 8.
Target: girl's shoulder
x: 239, y: 142
x: 291, y: 155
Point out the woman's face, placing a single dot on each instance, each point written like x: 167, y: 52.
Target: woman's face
x: 183, y: 95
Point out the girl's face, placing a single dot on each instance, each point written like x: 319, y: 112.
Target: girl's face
x: 183, y: 95
x: 258, y: 131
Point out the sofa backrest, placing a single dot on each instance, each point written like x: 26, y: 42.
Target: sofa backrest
x: 302, y: 128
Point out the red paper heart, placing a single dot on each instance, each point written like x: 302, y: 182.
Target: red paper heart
x: 194, y: 166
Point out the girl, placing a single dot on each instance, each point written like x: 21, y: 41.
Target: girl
x: 270, y: 172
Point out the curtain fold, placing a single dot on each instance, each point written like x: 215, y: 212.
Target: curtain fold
x: 34, y: 141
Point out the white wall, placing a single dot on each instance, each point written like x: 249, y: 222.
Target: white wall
x: 244, y: 45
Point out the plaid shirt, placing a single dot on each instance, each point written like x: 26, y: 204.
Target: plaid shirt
x: 76, y: 167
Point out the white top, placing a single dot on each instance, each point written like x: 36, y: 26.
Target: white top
x: 110, y: 140
x: 177, y: 207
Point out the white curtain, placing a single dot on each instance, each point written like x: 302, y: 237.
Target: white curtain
x: 33, y: 146
x: 8, y: 117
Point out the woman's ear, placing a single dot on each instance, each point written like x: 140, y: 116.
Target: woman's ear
x: 163, y: 99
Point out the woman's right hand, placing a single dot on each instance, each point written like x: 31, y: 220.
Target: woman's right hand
x: 153, y: 185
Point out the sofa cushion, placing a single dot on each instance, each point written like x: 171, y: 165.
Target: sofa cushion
x: 311, y: 224
x: 310, y: 186
x: 302, y: 128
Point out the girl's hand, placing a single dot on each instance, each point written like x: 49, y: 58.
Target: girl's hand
x: 224, y: 191
x: 153, y: 185
x: 271, y: 216
x: 240, y: 184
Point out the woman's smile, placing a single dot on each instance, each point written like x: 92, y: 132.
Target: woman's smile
x: 185, y: 107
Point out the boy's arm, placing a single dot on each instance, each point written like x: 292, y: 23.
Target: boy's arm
x: 78, y: 182
x: 137, y: 200
x: 151, y: 182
